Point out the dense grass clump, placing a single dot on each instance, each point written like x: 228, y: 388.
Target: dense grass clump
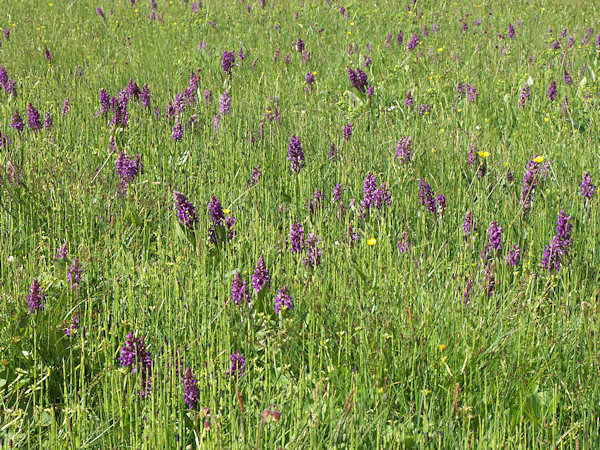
x: 299, y: 224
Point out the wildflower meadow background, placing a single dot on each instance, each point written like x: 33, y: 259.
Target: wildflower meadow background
x: 301, y: 224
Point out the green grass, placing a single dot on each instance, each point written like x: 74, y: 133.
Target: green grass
x: 380, y: 350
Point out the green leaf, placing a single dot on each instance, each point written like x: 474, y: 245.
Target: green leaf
x: 532, y: 408
x: 354, y: 97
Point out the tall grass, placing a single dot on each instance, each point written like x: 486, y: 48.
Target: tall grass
x: 380, y: 350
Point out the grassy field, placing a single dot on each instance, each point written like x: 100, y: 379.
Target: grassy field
x: 395, y: 235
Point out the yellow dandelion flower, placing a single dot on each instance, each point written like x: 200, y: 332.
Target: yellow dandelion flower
x: 539, y: 159
x: 442, y: 347
x: 371, y: 242
x: 225, y: 211
x: 483, y: 154
x: 441, y: 49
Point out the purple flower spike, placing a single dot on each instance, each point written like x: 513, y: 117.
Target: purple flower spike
x: 494, y: 237
x: 34, y: 121
x: 490, y: 280
x: 296, y: 154
x: 73, y: 326
x: 414, y: 41
x: 104, y: 102
x: 469, y: 224
x: 283, y: 299
x: 127, y: 170
x: 551, y: 93
x: 441, y: 203
x: 48, y: 122
x: 559, y: 245
x: 135, y: 356
x: 61, y: 252
x: 261, y: 276
x: 332, y: 152
x: 100, y: 12
x: 472, y: 153
x: 563, y: 228
x: 66, y: 107
x: 472, y: 93
x: 358, y: 79
x: 225, y: 104
x: 17, y: 122
x: 513, y: 256
x: 588, y: 189
x: 255, y: 176
x: 239, y: 290
x: 296, y: 238
x: 552, y: 258
x: 313, y: 253
x: 409, y: 101
x: 530, y: 182
x: 525, y: 93
x: 191, y: 392
x: 404, y: 243
x: 310, y: 81
x: 404, y: 148
x: 567, y: 78
x: 145, y: 96
x: 35, y: 297
x: 216, y: 211
x: 353, y: 238
x: 4, y: 141
x: 369, y: 192
x: 468, y: 289
x: 186, y: 212
x: 423, y: 108
x: 337, y: 192
x: 227, y: 61
x: 373, y: 196
x: 238, y: 364
x: 347, y: 132
x: 426, y: 196
x: 399, y: 37
x: 74, y: 275
x: 177, y: 132
x: 511, y: 31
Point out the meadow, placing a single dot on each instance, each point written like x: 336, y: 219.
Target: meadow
x: 303, y: 224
